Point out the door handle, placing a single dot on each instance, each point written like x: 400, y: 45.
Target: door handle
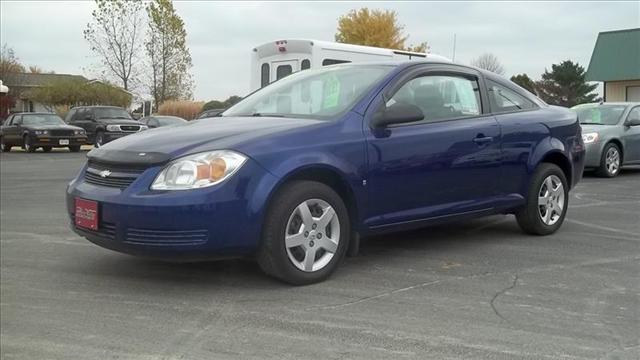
x: 481, y: 139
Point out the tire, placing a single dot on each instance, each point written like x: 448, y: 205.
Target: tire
x: 99, y: 140
x: 74, y: 148
x: 283, y: 259
x: 26, y: 141
x: 610, y: 161
x: 46, y: 148
x: 4, y: 147
x: 532, y: 218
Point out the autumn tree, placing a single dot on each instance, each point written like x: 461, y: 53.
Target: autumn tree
x: 9, y: 62
x: 379, y: 28
x: 71, y: 92
x: 565, y: 85
x: 115, y: 35
x: 525, y: 82
x: 489, y: 62
x: 168, y: 54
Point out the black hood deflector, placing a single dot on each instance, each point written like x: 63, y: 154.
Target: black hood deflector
x: 124, y: 157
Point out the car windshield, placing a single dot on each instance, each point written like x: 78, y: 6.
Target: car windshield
x: 318, y: 94
x: 111, y: 113
x: 170, y: 120
x: 600, y: 114
x: 42, y: 119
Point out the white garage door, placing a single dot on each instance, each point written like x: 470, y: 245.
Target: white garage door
x: 633, y: 93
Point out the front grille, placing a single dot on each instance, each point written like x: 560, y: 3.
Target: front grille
x: 130, y: 128
x: 166, y: 237
x: 106, y: 230
x: 116, y: 176
x: 61, y: 132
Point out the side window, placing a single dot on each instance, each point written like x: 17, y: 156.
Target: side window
x: 441, y: 97
x: 70, y: 115
x: 306, y: 64
x: 634, y: 113
x: 9, y: 120
x: 264, y: 75
x: 504, y: 99
x: 326, y: 62
x: 79, y: 115
x: 283, y: 70
x: 17, y: 120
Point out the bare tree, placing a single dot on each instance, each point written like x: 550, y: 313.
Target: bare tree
x: 489, y: 62
x: 115, y: 36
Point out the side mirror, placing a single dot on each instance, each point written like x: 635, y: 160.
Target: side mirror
x: 633, y: 121
x: 397, y: 113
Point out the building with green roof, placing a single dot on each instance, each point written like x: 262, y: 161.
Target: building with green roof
x: 616, y: 62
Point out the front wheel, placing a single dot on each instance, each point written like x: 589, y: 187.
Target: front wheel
x: 46, y: 148
x: 4, y: 147
x: 610, y: 161
x: 28, y: 145
x: 547, y: 201
x: 99, y: 139
x: 305, y: 234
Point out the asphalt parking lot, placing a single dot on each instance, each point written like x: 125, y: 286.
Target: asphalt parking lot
x: 480, y: 289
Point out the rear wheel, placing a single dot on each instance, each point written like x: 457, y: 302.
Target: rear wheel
x: 4, y: 147
x: 46, y: 148
x: 28, y: 145
x: 74, y: 148
x: 547, y: 201
x: 305, y: 235
x: 610, y: 162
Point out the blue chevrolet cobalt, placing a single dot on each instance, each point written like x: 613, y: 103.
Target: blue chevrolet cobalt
x: 297, y: 172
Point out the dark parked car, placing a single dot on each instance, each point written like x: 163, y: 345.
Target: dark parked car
x: 210, y: 113
x: 104, y: 123
x: 40, y: 130
x: 155, y: 121
x: 296, y: 172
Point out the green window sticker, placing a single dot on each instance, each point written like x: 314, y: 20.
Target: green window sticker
x: 331, y: 93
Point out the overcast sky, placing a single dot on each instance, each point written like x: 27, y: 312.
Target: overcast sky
x: 525, y: 36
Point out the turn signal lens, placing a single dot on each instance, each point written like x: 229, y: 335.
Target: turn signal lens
x: 198, y: 170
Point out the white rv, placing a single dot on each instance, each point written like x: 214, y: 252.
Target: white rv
x: 277, y: 59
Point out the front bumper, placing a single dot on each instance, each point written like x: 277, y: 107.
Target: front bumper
x: 593, y: 155
x: 54, y: 141
x: 219, y: 221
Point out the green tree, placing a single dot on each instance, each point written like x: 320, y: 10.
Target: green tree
x: 377, y: 28
x: 565, y: 85
x: 71, y: 92
x: 169, y: 56
x: 232, y: 100
x: 114, y: 35
x: 214, y: 104
x: 525, y: 82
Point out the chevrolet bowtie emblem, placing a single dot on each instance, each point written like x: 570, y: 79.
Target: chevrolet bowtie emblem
x: 104, y: 173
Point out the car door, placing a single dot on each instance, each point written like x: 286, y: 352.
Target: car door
x: 14, y: 130
x: 631, y: 137
x: 10, y: 130
x: 84, y: 119
x: 443, y: 165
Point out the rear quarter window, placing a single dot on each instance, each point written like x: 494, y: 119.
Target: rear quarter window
x: 504, y: 99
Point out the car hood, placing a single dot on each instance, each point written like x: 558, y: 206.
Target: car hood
x: 119, y: 121
x: 51, y: 127
x: 162, y: 144
x: 596, y: 128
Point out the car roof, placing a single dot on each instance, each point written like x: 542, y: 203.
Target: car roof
x: 34, y: 113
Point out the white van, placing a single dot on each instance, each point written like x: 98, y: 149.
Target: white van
x: 277, y: 59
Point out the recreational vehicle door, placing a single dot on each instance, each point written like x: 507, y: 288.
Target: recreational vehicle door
x: 280, y: 69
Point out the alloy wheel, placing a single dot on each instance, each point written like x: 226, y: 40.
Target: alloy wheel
x: 551, y: 200
x: 612, y: 160
x: 312, y: 235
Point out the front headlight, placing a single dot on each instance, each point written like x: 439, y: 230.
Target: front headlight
x: 589, y: 138
x: 113, y: 127
x: 198, y: 170
x: 78, y: 132
x: 42, y: 132
x: 143, y: 127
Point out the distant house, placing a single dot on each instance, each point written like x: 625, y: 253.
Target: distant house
x: 616, y: 62
x: 20, y: 83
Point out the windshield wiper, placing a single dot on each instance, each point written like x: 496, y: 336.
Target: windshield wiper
x: 257, y: 114
x: 591, y: 123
